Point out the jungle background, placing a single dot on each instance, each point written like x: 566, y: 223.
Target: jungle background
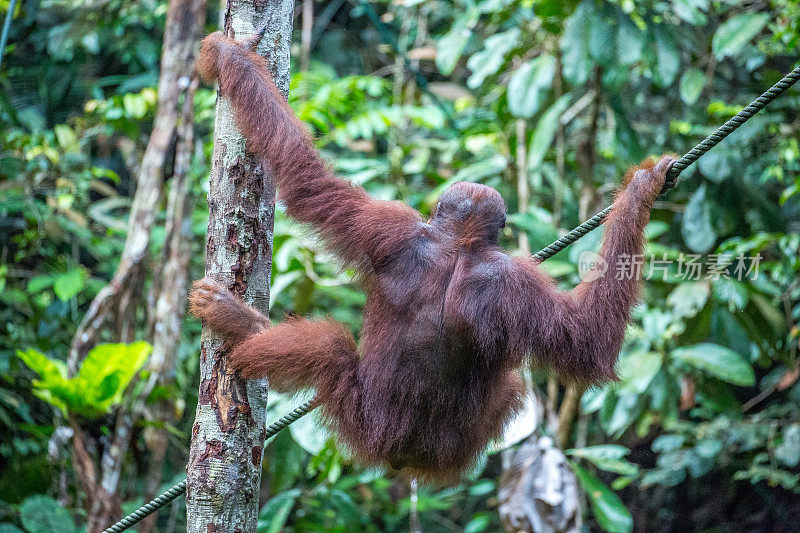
x: 547, y: 101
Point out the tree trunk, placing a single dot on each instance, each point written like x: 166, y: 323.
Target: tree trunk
x: 116, y: 304
x: 226, y: 450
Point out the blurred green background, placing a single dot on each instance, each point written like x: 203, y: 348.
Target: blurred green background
x: 547, y: 101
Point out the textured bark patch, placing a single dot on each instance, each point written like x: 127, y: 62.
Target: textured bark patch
x: 256, y: 455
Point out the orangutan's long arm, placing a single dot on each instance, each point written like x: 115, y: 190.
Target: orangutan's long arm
x: 579, y: 333
x: 362, y: 230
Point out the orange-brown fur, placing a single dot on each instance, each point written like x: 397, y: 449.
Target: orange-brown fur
x: 449, y: 317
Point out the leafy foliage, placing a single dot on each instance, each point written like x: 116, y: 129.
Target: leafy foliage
x: 104, y: 375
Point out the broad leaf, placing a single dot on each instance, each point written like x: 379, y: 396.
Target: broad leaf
x: 636, y: 370
x: 528, y: 86
x: 489, y: 60
x: 698, y: 233
x: 718, y: 361
x: 450, y: 47
x: 736, y: 32
x: 667, y: 58
x: 608, y: 457
x: 610, y: 512
x: 108, y: 369
x: 68, y: 284
x: 40, y: 514
x: 692, y: 83
x: 575, y: 51
x: 545, y: 131
x: 274, y: 514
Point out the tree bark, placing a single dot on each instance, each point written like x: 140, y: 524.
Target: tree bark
x: 226, y: 450
x: 177, y: 84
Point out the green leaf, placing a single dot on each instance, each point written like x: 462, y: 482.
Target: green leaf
x: 39, y: 283
x: 528, y: 86
x: 609, y: 511
x: 691, y: 87
x: 718, y: 361
x: 480, y: 522
x: 688, y: 298
x: 135, y: 105
x: 40, y: 514
x: 698, y: 233
x: 637, y: 369
x: 608, y: 457
x: 69, y: 284
x: 9, y: 528
x: 630, y: 41
x: 274, y: 514
x: 107, y: 371
x: 450, y: 47
x: 788, y: 452
x: 715, y: 165
x: 545, y: 132
x: 736, y: 32
x: 575, y: 52
x: 667, y: 58
x: 49, y: 370
x: 66, y: 138
x: 489, y: 60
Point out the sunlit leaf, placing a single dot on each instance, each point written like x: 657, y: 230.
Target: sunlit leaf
x: 69, y: 284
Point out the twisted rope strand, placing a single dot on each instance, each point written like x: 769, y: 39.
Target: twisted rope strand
x: 545, y: 253
x: 680, y: 165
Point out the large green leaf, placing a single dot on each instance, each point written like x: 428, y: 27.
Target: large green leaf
x: 528, y: 86
x: 636, y: 370
x: 667, y: 57
x: 274, y: 514
x: 575, y: 52
x: 545, y: 131
x: 609, y: 511
x: 40, y: 514
x: 450, y: 47
x: 101, y: 380
x: 630, y: 41
x: 49, y: 370
x: 691, y: 86
x: 719, y: 361
x: 736, y: 32
x: 698, y: 233
x: 69, y: 284
x: 489, y: 60
x: 108, y: 369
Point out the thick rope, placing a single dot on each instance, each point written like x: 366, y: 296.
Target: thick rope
x: 160, y: 501
x: 594, y: 222
x: 680, y: 165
